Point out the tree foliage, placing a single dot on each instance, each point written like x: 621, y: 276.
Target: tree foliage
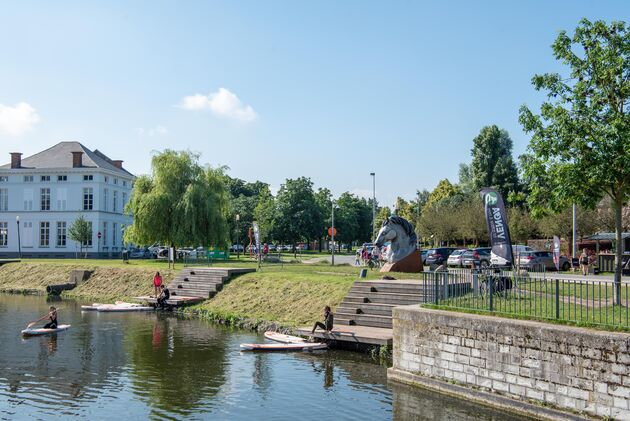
x: 298, y: 216
x: 80, y: 231
x: 179, y: 204
x: 492, y: 163
x: 580, y: 146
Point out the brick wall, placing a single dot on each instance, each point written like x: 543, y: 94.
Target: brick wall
x: 571, y: 368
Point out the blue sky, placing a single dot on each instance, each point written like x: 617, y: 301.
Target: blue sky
x: 276, y: 90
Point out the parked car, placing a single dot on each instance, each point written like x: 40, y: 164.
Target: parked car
x: 516, y: 251
x: 198, y: 253
x: 140, y: 253
x: 237, y: 248
x: 438, y: 256
x: 423, y: 256
x: 272, y: 247
x: 455, y: 258
x: 541, y: 260
x: 370, y: 247
x: 479, y: 257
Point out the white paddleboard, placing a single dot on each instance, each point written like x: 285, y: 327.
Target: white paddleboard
x: 41, y: 331
x: 284, y: 347
x: 280, y: 337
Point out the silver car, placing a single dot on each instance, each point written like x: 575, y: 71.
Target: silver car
x: 541, y: 261
x: 455, y: 258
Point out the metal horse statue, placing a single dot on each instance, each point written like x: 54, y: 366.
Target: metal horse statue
x: 403, y: 255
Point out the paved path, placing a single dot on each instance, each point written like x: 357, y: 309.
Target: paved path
x: 339, y: 259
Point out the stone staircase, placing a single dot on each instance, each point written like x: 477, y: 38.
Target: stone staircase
x: 370, y: 303
x: 202, y: 282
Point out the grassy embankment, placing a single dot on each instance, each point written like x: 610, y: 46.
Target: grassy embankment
x: 290, y: 295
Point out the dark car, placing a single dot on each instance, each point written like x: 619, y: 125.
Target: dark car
x: 423, y: 256
x: 541, y: 260
x: 478, y: 257
x: 438, y: 256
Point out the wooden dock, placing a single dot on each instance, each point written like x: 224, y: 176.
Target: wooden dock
x: 364, y: 317
x: 194, y: 285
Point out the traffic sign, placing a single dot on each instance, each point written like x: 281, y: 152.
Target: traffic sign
x: 332, y: 231
x: 98, y: 234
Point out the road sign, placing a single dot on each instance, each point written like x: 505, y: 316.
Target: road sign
x: 99, y: 235
x: 332, y: 231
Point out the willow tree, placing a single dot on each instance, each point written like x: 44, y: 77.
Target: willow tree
x: 580, y: 147
x: 179, y: 204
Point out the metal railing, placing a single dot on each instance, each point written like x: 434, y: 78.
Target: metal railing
x: 583, y: 302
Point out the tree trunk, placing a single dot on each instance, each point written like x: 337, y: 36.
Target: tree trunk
x: 618, y: 250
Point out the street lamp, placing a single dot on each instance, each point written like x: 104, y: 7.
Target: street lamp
x: 373, y: 204
x: 332, y: 232
x: 238, y: 250
x: 17, y: 220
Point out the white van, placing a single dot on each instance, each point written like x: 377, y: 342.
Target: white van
x: 516, y: 251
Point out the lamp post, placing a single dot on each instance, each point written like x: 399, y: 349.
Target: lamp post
x: 238, y: 250
x: 373, y: 203
x: 17, y: 220
x: 332, y: 232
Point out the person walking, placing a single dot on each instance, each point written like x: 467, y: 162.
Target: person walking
x: 157, y: 283
x: 584, y: 262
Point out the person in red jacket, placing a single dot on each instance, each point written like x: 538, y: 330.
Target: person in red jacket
x: 157, y: 283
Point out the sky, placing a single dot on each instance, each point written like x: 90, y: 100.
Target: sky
x: 274, y: 90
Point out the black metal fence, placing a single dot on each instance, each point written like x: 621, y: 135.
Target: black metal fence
x: 585, y: 302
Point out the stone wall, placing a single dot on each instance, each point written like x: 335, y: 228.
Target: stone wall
x: 570, y: 368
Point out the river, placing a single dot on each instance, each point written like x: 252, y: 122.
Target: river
x: 161, y: 366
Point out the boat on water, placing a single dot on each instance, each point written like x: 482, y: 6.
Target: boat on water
x: 41, y: 331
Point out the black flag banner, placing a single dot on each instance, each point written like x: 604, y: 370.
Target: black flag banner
x: 497, y: 227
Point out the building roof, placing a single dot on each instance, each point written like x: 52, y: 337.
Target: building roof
x: 609, y: 236
x: 60, y: 156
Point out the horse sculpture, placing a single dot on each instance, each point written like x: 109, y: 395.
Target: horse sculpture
x: 403, y: 255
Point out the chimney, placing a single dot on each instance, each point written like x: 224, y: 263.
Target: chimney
x: 77, y: 159
x: 16, y: 160
x: 117, y: 163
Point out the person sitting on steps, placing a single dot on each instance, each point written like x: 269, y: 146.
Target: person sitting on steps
x: 328, y: 321
x: 164, y: 296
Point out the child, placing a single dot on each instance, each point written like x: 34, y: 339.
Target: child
x: 52, y: 315
x: 328, y: 321
x: 157, y: 283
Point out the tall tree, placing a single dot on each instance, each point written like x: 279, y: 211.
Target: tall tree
x: 298, y: 215
x: 580, y: 147
x: 80, y: 231
x: 323, y: 198
x: 442, y: 191
x: 492, y: 163
x: 179, y: 204
x: 265, y: 215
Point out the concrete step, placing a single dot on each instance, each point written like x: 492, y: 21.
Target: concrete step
x: 390, y: 290
x: 364, y: 320
x: 375, y: 309
x: 387, y: 298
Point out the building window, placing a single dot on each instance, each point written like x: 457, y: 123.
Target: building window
x: 28, y: 178
x: 45, y: 178
x: 88, y: 243
x: 115, y: 181
x: 88, y: 198
x: 88, y: 177
x: 104, y: 234
x: 62, y: 199
x: 44, y: 234
x: 62, y: 178
x: 105, y: 199
x: 44, y: 195
x: 28, y: 199
x: 61, y: 234
x: 114, y: 234
x: 124, y: 183
x: 4, y: 200
x: 4, y: 234
x: 124, y: 200
x: 4, y: 178
x: 106, y: 179
x: 115, y: 205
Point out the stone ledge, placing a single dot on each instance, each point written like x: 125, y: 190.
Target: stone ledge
x: 484, y: 398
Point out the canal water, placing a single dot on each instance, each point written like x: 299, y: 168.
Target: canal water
x: 160, y: 366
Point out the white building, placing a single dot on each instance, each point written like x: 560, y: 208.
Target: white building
x: 42, y: 195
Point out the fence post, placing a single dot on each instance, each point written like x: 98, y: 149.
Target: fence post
x: 444, y: 275
x: 436, y: 288
x: 475, y: 282
x: 491, y: 292
x: 557, y: 298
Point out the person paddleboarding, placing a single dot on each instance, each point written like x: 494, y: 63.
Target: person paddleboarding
x: 52, y: 316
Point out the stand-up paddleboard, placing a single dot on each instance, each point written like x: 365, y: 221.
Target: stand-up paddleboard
x: 301, y: 346
x: 41, y: 331
x: 118, y: 307
x: 280, y: 337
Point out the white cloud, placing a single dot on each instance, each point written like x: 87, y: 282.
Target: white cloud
x: 156, y: 131
x: 222, y: 103
x: 17, y: 120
